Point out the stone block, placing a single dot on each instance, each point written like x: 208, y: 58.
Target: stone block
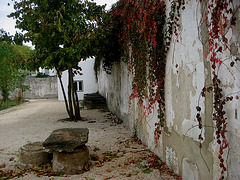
x: 33, y: 154
x: 71, y: 162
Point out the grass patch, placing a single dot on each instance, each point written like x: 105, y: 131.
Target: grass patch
x: 9, y: 104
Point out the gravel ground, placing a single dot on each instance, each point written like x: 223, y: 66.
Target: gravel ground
x: 117, y: 155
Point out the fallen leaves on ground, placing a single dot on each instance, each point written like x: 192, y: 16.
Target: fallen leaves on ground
x: 2, y: 165
x: 99, y: 160
x: 145, y: 160
x: 43, y: 170
x: 133, y: 173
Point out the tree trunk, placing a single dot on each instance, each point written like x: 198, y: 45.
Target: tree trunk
x: 74, y: 98
x: 5, y: 93
x: 64, y: 93
x: 76, y: 104
x: 72, y: 104
x: 69, y: 93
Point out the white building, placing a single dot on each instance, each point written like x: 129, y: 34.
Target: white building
x: 86, y: 83
x: 50, y: 72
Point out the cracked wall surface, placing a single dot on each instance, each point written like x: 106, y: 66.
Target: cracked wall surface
x: 188, y: 70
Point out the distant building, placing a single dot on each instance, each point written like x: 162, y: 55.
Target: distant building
x: 50, y: 72
x: 86, y: 83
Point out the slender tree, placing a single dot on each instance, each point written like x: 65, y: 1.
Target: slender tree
x: 63, y: 32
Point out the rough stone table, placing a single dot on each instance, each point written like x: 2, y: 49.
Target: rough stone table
x: 70, y: 155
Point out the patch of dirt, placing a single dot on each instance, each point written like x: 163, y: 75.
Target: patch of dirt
x: 114, y: 153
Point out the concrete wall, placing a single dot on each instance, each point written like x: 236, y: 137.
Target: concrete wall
x: 231, y: 83
x: 116, y: 88
x: 187, y: 71
x: 185, y: 77
x: 41, y: 88
x: 88, y: 77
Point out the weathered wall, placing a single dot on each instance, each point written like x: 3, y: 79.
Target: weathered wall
x: 231, y: 85
x: 186, y: 76
x: 187, y: 72
x: 116, y: 88
x: 41, y: 88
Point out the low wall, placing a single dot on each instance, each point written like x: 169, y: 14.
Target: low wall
x: 41, y: 88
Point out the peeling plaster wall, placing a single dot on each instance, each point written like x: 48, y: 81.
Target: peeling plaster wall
x: 187, y: 72
x: 231, y: 83
x: 39, y: 88
x: 185, y: 78
x: 116, y: 88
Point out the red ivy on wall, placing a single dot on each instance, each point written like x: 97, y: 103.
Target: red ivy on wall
x: 141, y: 36
x: 145, y: 38
x: 142, y: 39
x: 219, y: 19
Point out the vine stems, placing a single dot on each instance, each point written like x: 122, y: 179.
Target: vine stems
x: 218, y: 19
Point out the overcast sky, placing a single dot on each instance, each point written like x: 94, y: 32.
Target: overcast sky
x: 8, y: 24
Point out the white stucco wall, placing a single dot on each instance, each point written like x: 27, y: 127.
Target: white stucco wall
x: 185, y: 64
x: 231, y: 87
x: 88, y: 78
x: 117, y: 89
x: 187, y: 72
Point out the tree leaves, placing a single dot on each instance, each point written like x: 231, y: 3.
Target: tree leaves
x: 64, y: 33
x: 2, y: 165
x: 12, y: 58
x: 55, y: 24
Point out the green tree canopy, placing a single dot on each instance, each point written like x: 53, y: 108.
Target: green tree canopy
x: 63, y: 32
x: 17, y: 39
x: 11, y: 59
x: 5, y: 36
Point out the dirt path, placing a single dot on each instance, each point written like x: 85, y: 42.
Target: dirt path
x: 36, y: 119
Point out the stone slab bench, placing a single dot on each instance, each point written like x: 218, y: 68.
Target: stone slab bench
x: 70, y: 154
x: 66, y: 139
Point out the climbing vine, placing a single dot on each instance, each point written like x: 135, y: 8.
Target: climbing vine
x: 145, y: 37
x: 145, y: 34
x: 172, y: 25
x: 141, y: 39
x: 219, y: 19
